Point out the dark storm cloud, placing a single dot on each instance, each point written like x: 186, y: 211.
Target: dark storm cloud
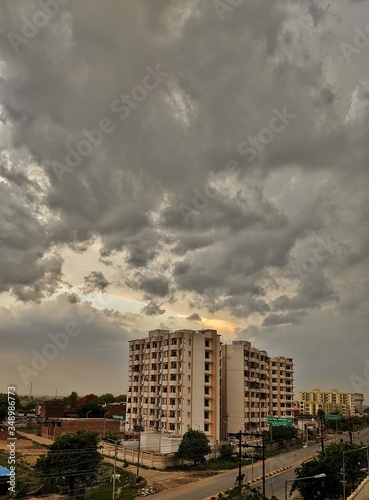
x: 194, y: 317
x: 153, y: 309
x: 95, y: 281
x: 38, y: 342
x: 145, y: 105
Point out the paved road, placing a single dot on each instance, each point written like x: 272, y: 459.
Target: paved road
x: 274, y: 485
x: 205, y: 488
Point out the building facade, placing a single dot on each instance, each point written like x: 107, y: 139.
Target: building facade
x: 174, y: 381
x: 345, y: 403
x: 281, y: 379
x: 253, y: 387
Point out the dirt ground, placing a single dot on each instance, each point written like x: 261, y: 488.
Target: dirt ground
x: 29, y: 450
x: 157, y: 480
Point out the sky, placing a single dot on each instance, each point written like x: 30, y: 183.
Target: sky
x: 182, y: 164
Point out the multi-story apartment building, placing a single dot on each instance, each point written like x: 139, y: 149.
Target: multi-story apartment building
x: 174, y: 381
x: 281, y: 387
x: 345, y: 403
x: 253, y: 387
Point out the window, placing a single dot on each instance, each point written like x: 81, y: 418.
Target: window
x: 207, y: 390
x: 207, y: 378
x: 207, y: 354
x: 207, y: 342
x: 174, y: 341
x: 207, y: 366
x: 206, y: 415
x: 206, y: 402
x: 206, y: 427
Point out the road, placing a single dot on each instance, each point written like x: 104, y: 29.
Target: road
x: 201, y: 490
x: 275, y: 485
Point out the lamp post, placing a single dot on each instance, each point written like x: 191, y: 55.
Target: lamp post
x: 317, y: 476
x: 344, y: 469
x: 89, y: 411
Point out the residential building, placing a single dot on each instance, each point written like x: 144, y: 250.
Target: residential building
x: 253, y: 387
x: 174, y: 381
x: 345, y: 403
x: 281, y: 395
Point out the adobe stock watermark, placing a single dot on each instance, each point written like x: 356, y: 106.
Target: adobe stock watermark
x: 122, y: 107
x: 249, y: 148
x: 324, y: 247
x: 359, y: 382
x: 30, y: 27
x: 360, y: 42
x: 222, y: 7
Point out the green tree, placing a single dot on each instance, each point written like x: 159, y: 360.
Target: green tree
x: 106, y: 398
x: 72, y: 398
x: 92, y: 408
x: 330, y: 464
x: 74, y: 457
x: 4, y: 405
x: 194, y: 446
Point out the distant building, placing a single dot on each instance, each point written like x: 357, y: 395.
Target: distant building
x: 174, y: 382
x: 57, y: 427
x: 52, y: 410
x: 345, y: 403
x: 253, y: 387
x: 115, y: 410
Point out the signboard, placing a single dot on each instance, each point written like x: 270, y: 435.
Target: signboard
x: 280, y: 421
x: 332, y: 416
x: 118, y: 417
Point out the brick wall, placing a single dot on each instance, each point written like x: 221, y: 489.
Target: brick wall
x: 59, y: 427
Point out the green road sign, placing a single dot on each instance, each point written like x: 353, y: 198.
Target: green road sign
x: 280, y: 421
x: 332, y: 416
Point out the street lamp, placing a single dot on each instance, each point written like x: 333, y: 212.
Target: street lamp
x: 317, y: 476
x: 115, y: 464
x: 343, y: 465
x: 89, y: 411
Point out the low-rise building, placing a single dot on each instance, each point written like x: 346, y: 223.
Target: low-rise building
x: 57, y: 427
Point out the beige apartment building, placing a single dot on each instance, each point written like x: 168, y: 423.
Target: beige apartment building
x: 253, y: 387
x: 281, y: 402
x: 345, y: 403
x: 174, y: 381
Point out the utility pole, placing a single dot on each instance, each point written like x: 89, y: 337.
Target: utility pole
x: 321, y: 425
x: 115, y: 467
x: 263, y: 444
x: 240, y: 459
x: 139, y: 448
x: 257, y: 446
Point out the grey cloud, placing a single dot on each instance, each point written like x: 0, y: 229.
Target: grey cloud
x: 95, y: 281
x: 303, y: 196
x: 152, y: 309
x: 27, y: 329
x: 194, y: 317
x: 284, y: 319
